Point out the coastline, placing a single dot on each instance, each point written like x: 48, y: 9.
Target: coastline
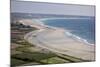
x: 69, y: 32
x: 54, y: 39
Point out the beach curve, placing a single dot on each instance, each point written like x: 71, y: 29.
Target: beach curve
x: 55, y: 40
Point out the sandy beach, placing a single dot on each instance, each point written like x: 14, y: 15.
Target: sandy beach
x: 55, y: 40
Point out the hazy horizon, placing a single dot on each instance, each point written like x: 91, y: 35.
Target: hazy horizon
x: 51, y: 8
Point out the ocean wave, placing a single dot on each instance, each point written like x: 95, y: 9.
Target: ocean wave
x: 77, y: 38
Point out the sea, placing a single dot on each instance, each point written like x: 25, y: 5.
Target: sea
x: 82, y: 29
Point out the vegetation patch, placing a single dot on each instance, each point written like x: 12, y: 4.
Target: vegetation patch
x: 16, y: 62
x: 54, y: 60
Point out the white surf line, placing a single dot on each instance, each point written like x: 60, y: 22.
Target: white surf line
x: 63, y: 18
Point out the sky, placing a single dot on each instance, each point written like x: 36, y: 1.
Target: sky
x: 52, y: 8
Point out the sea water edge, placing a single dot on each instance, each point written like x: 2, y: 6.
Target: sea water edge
x: 67, y: 32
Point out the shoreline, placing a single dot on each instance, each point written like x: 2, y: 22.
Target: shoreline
x: 67, y: 32
x: 46, y: 37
